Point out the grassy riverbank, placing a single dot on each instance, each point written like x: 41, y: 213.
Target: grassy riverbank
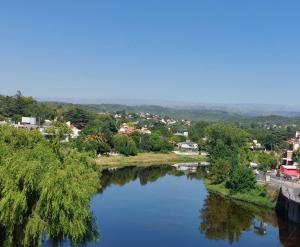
x: 146, y: 159
x: 252, y: 197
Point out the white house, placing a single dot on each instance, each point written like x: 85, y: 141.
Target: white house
x: 145, y: 131
x: 28, y: 120
x: 188, y: 146
x: 74, y: 131
x: 184, y: 133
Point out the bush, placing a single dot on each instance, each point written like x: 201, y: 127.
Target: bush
x: 241, y: 179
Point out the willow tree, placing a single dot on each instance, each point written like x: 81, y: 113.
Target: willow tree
x: 45, y: 190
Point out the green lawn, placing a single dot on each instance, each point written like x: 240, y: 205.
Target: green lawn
x: 249, y: 197
x: 146, y: 159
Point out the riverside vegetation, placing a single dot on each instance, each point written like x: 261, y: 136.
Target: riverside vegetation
x: 229, y: 174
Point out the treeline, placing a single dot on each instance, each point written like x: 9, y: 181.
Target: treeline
x: 272, y: 139
x: 16, y: 106
x: 99, y: 133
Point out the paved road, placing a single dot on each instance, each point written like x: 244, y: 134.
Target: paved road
x: 289, y: 189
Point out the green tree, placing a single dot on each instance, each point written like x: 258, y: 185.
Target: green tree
x: 219, y: 171
x: 198, y: 131
x: 222, y: 139
x: 266, y: 161
x: 78, y: 117
x: 46, y: 187
x: 124, y: 145
x: 241, y: 179
x: 159, y: 144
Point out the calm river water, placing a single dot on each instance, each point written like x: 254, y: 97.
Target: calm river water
x: 159, y: 206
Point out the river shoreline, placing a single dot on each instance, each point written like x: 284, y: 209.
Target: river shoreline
x: 249, y: 197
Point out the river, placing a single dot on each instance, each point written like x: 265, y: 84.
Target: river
x: 159, y: 206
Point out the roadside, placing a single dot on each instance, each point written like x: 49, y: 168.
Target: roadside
x: 289, y: 188
x: 146, y: 159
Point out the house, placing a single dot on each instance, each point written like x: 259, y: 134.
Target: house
x: 28, y: 120
x: 188, y: 146
x: 125, y: 129
x: 289, y: 170
x: 256, y: 145
x: 296, y: 141
x: 145, y: 131
x: 288, y: 167
x: 74, y: 131
x: 287, y: 160
x: 182, y: 133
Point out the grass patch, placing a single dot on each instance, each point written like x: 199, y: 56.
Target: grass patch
x: 145, y: 159
x: 253, y: 197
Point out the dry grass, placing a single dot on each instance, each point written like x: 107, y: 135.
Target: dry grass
x: 145, y: 159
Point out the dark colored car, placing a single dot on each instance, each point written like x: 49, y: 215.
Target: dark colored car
x: 287, y: 177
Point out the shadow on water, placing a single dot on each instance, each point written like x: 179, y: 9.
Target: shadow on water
x: 289, y: 231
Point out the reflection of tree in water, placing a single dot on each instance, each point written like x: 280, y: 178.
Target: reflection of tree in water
x: 144, y: 174
x: 91, y: 236
x: 224, y: 220
x: 125, y: 175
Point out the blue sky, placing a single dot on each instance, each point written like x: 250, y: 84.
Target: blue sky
x: 221, y: 51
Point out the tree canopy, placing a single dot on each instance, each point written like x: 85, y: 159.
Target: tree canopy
x: 43, y: 191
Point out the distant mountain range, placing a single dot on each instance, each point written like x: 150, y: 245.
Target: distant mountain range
x: 239, y: 113
x: 185, y: 109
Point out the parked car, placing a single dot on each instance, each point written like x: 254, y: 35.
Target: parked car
x: 287, y: 177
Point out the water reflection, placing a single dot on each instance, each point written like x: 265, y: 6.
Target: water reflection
x: 224, y: 219
x: 144, y: 174
x: 91, y: 236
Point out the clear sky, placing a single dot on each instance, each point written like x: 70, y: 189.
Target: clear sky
x: 221, y: 51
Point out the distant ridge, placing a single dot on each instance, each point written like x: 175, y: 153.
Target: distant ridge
x: 243, y: 109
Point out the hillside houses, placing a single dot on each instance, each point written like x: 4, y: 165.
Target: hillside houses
x: 288, y: 166
x: 127, y: 130
x: 32, y: 123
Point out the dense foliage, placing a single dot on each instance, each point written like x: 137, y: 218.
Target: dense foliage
x: 45, y: 188
x: 229, y: 155
x: 18, y: 105
x: 124, y: 145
